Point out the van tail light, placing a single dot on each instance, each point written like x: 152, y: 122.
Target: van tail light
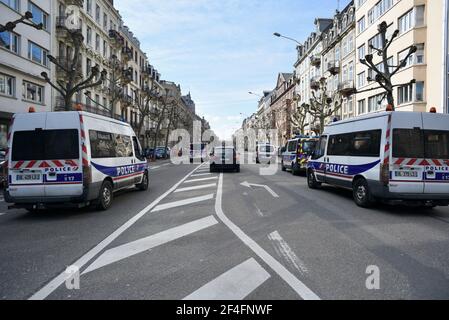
x: 87, y: 175
x: 385, y: 174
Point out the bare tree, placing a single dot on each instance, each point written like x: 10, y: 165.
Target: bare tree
x: 323, y: 105
x: 159, y: 115
x: 384, y: 77
x: 144, y: 102
x: 299, y: 116
x: 70, y: 65
x: 118, y: 77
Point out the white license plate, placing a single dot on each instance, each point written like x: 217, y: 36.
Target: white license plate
x: 28, y: 177
x: 406, y: 174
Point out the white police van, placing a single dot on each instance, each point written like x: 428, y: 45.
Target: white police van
x: 390, y: 156
x: 78, y: 158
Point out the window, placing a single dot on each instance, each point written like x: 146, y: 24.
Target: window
x: 356, y: 144
x: 320, y: 148
x: 10, y: 41
x: 337, y: 53
x: 7, y: 85
x: 39, y: 16
x: 14, y: 4
x: 419, y: 54
x: 376, y: 42
x: 33, y: 92
x: 109, y: 145
x: 362, y: 52
x: 89, y: 6
x: 361, y: 106
x: 361, y: 79
x: 406, y: 21
x: 137, y: 149
x: 89, y: 36
x: 405, y: 94
x: 361, y: 25
x: 436, y: 144
x: 419, y: 16
x: 408, y: 143
x: 350, y: 104
x: 97, y: 42
x: 105, y: 21
x: 371, y: 16
x: 97, y: 13
x: 45, y: 145
x: 105, y: 49
x: 419, y: 91
x: 351, y: 71
x: 88, y: 66
x: 123, y: 146
x: 291, y: 147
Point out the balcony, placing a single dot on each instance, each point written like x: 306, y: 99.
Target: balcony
x: 116, y: 38
x: 60, y: 106
x: 127, y: 76
x: 347, y: 88
x: 127, y: 100
x: 315, y: 83
x: 78, y: 3
x: 315, y: 60
x: 333, y: 67
x: 127, y: 54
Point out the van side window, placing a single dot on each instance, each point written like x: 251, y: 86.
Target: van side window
x: 124, y: 148
x: 356, y: 144
x: 102, y: 144
x: 436, y: 144
x: 137, y: 150
x: 320, y: 148
x: 408, y: 143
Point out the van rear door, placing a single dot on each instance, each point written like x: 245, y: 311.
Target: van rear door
x: 436, y: 141
x: 407, y: 154
x: 26, y: 177
x: 64, y: 173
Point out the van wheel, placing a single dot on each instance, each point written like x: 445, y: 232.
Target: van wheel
x: 362, y: 194
x: 105, y: 197
x: 311, y: 180
x: 145, y: 183
x: 283, y: 167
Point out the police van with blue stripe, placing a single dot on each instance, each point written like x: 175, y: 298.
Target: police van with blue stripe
x: 387, y: 156
x: 76, y: 158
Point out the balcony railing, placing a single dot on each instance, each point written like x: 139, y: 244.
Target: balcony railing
x: 347, y: 88
x: 315, y: 83
x: 333, y: 67
x: 79, y: 3
x: 116, y: 37
x: 91, y: 108
x: 127, y: 53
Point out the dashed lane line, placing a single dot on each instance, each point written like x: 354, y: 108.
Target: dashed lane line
x: 201, y: 174
x: 300, y: 288
x: 130, y: 249
x: 204, y: 186
x: 61, y: 278
x: 182, y: 203
x: 235, y: 284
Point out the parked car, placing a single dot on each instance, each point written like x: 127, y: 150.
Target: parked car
x: 224, y: 158
x: 265, y: 153
x: 162, y: 153
x: 71, y: 158
x: 296, y: 153
x: 388, y: 156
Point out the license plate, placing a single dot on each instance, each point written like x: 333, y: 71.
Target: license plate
x: 406, y: 174
x: 28, y: 177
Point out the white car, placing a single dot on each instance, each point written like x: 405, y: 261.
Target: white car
x: 265, y: 153
x: 390, y: 156
x: 77, y: 158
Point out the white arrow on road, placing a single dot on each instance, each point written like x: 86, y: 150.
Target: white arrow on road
x: 249, y: 185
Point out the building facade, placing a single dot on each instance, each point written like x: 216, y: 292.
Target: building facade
x: 281, y: 106
x: 23, y: 57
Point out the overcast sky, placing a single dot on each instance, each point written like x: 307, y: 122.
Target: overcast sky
x: 221, y: 49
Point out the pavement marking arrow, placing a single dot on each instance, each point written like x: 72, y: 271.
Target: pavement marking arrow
x: 249, y: 185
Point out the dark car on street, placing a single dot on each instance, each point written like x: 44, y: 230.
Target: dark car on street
x: 162, y: 153
x: 224, y: 159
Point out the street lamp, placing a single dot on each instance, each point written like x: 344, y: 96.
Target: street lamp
x: 11, y: 25
x: 255, y: 94
x: 277, y: 34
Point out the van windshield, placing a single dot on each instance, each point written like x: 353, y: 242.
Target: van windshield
x: 308, y: 146
x: 266, y: 148
x: 45, y: 145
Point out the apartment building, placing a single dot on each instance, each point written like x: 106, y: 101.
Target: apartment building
x: 420, y: 23
x: 282, y: 105
x: 23, y: 57
x: 338, y: 57
x: 308, y: 67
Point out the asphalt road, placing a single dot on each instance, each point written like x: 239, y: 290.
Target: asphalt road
x: 196, y: 235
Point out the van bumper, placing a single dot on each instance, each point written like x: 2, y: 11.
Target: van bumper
x: 381, y: 191
x: 89, y: 193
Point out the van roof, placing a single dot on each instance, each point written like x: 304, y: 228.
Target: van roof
x: 372, y: 115
x: 83, y: 113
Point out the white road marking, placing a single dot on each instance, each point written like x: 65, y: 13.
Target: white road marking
x: 61, y: 278
x: 201, y: 174
x: 156, y: 167
x: 182, y: 203
x: 204, y: 186
x: 300, y: 288
x: 286, y: 252
x: 130, y: 249
x: 3, y: 213
x: 200, y: 180
x: 235, y: 284
x: 249, y: 185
